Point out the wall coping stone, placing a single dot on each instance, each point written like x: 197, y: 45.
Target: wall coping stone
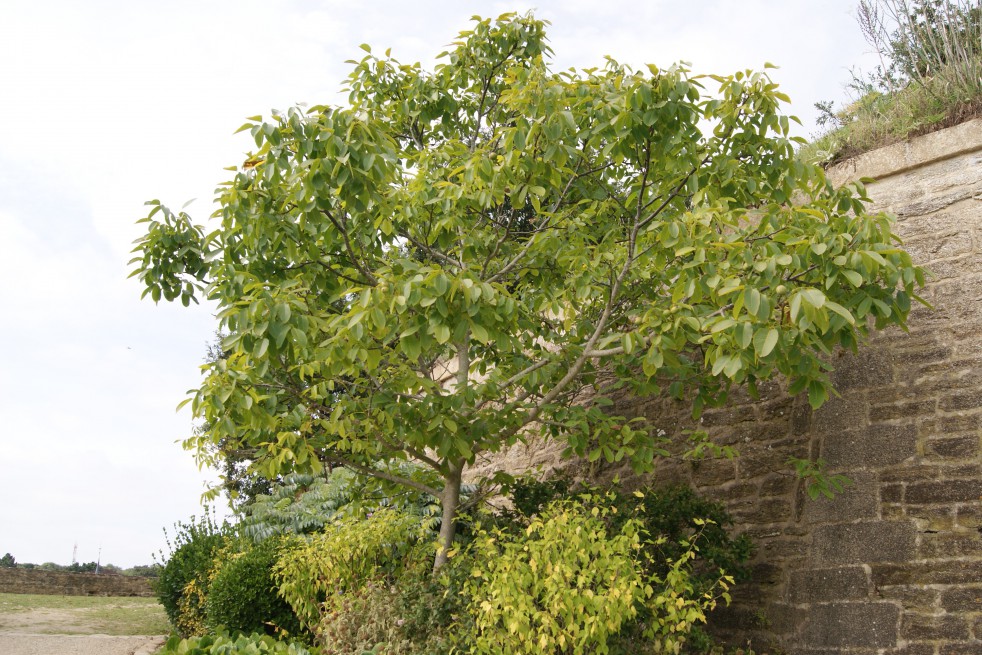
x: 907, y: 155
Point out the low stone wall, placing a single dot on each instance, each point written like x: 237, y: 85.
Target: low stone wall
x: 57, y: 583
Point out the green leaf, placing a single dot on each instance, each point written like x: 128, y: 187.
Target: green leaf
x: 855, y: 279
x: 751, y: 300
x: 765, y: 340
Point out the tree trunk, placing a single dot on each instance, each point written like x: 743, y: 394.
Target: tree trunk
x: 448, y: 527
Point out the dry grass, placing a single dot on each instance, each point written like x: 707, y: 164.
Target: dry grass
x: 81, y: 615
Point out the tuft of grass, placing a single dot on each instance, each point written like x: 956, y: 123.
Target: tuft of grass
x: 108, y: 615
x: 929, y: 78
x: 878, y: 119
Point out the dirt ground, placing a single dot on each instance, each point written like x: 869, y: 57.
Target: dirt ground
x: 62, y: 632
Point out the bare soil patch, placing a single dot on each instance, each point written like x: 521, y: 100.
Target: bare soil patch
x: 78, y: 625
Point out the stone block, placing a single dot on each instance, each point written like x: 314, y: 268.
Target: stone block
x: 943, y: 491
x: 877, y: 445
x: 960, y: 422
x: 827, y: 585
x: 770, y: 510
x: 969, y: 516
x: 892, y: 493
x: 973, y: 647
x: 953, y: 447
x: 868, y: 368
x: 914, y: 596
x: 946, y: 544
x: 962, y: 599
x: 933, y: 627
x: 863, y: 542
x: 902, y: 410
x: 935, y: 572
x: 855, y: 502
x: 778, y: 485
x: 851, y: 625
x: 965, y: 401
x: 838, y: 414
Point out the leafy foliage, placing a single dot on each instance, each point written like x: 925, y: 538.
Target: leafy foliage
x: 570, y: 584
x: 304, y: 504
x: 671, y: 517
x: 444, y: 267
x: 315, y: 575
x: 185, y: 574
x: 8, y: 561
x: 365, y: 621
x: 225, y: 644
x: 242, y: 595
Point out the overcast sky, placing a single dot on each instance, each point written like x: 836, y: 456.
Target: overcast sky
x: 104, y: 105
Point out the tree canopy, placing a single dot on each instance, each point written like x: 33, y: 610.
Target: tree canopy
x: 466, y: 258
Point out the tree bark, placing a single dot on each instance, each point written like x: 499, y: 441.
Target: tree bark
x: 448, y: 527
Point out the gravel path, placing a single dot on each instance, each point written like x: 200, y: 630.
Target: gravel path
x: 28, y: 644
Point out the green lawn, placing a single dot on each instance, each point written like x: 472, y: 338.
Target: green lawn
x: 112, y: 615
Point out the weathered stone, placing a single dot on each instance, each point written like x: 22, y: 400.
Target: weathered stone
x: 857, y: 501
x: 933, y: 627
x: 943, y: 491
x: 863, y: 542
x: 902, y: 410
x: 945, y: 544
x: 953, y: 447
x: 778, y: 484
x: 924, y: 598
x: 877, y: 445
x: 841, y: 414
x: 826, y: 585
x: 962, y: 599
x: 851, y: 625
x: 935, y: 572
x: 728, y: 417
x: 962, y: 401
x: 973, y: 647
x: 891, y: 493
x: 770, y: 510
x: 969, y: 516
x: 960, y: 423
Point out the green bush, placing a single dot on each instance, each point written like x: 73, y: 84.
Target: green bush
x: 365, y: 621
x: 671, y: 517
x: 242, y: 596
x: 570, y: 583
x: 351, y: 553
x: 433, y: 609
x: 224, y: 644
x: 182, y: 584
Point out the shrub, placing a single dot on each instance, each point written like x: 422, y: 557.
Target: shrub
x: 365, y: 620
x: 671, y: 517
x: 184, y: 576
x: 433, y: 609
x: 243, y: 595
x: 224, y: 644
x: 569, y: 584
x: 351, y: 553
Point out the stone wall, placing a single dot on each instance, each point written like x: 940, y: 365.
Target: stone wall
x: 892, y: 566
x: 36, y: 581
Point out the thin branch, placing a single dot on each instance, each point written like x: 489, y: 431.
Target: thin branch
x: 383, y: 475
x: 372, y: 280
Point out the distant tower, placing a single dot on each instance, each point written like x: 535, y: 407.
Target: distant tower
x: 75, y: 553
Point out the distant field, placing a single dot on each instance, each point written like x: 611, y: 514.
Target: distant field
x: 81, y: 615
